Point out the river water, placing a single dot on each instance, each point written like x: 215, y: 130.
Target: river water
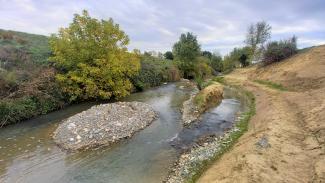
x: 28, y: 154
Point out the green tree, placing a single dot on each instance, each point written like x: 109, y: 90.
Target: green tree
x: 186, y: 51
x: 93, y: 60
x: 207, y: 54
x: 216, y: 62
x: 169, y: 55
x: 234, y: 58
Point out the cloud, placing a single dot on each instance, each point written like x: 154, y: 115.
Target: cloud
x: 156, y: 25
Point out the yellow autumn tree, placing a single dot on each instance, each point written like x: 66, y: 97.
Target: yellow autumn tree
x: 92, y: 59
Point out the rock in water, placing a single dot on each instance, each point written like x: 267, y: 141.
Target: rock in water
x: 103, y: 125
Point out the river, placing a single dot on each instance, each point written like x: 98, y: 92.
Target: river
x: 28, y: 154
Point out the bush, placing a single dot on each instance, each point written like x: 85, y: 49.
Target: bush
x: 202, y: 69
x: 37, y: 95
x: 15, y: 110
x: 279, y: 50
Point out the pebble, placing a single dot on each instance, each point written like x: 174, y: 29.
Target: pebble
x: 183, y: 169
x: 71, y: 126
x: 78, y: 137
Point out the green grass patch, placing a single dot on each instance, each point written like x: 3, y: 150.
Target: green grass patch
x: 199, y: 101
x: 271, y: 84
x: 219, y: 79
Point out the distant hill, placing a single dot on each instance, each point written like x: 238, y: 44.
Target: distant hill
x: 35, y: 45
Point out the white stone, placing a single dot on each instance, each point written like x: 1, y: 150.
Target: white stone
x: 71, y: 126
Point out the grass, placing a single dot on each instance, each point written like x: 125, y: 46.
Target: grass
x: 219, y: 79
x: 271, y: 84
x: 199, y: 100
x: 227, y: 142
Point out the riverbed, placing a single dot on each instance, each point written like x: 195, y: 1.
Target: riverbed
x: 28, y: 154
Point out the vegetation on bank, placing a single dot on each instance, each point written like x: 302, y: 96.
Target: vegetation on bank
x: 84, y: 65
x: 89, y: 60
x: 211, y: 95
x: 154, y: 71
x: 277, y: 51
x: 27, y: 84
x: 92, y: 59
x: 271, y: 84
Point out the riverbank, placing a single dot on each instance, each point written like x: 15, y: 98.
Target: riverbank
x: 285, y: 139
x: 192, y: 164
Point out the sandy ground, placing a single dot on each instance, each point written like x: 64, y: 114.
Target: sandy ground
x: 292, y: 124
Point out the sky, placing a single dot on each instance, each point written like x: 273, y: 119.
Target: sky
x: 220, y: 25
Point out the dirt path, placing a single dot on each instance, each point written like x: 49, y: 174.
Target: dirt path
x: 286, y: 137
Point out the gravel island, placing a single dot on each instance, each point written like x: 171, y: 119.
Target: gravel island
x: 102, y: 125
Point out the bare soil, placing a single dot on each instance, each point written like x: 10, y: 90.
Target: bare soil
x: 285, y: 141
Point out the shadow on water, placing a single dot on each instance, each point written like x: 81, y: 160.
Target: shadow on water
x: 28, y: 154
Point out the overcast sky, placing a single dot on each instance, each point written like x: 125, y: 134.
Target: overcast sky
x: 155, y: 25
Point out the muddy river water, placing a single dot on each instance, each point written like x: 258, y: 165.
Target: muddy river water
x: 28, y: 154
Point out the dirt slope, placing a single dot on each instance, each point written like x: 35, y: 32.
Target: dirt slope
x: 286, y: 138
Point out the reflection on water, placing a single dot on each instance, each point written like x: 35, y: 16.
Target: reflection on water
x: 27, y: 153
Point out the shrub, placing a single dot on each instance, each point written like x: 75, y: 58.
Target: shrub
x: 202, y: 69
x: 279, y: 50
x: 15, y: 110
x: 216, y: 62
x: 38, y: 95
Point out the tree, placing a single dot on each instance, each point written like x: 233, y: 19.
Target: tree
x: 236, y: 57
x: 186, y: 51
x: 169, y: 55
x: 207, y: 54
x: 243, y: 60
x: 93, y: 59
x: 256, y: 37
x: 216, y: 62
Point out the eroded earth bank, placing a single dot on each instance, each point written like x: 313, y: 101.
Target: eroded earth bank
x: 285, y: 139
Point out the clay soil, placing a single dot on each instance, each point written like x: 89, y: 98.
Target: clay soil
x: 290, y: 125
